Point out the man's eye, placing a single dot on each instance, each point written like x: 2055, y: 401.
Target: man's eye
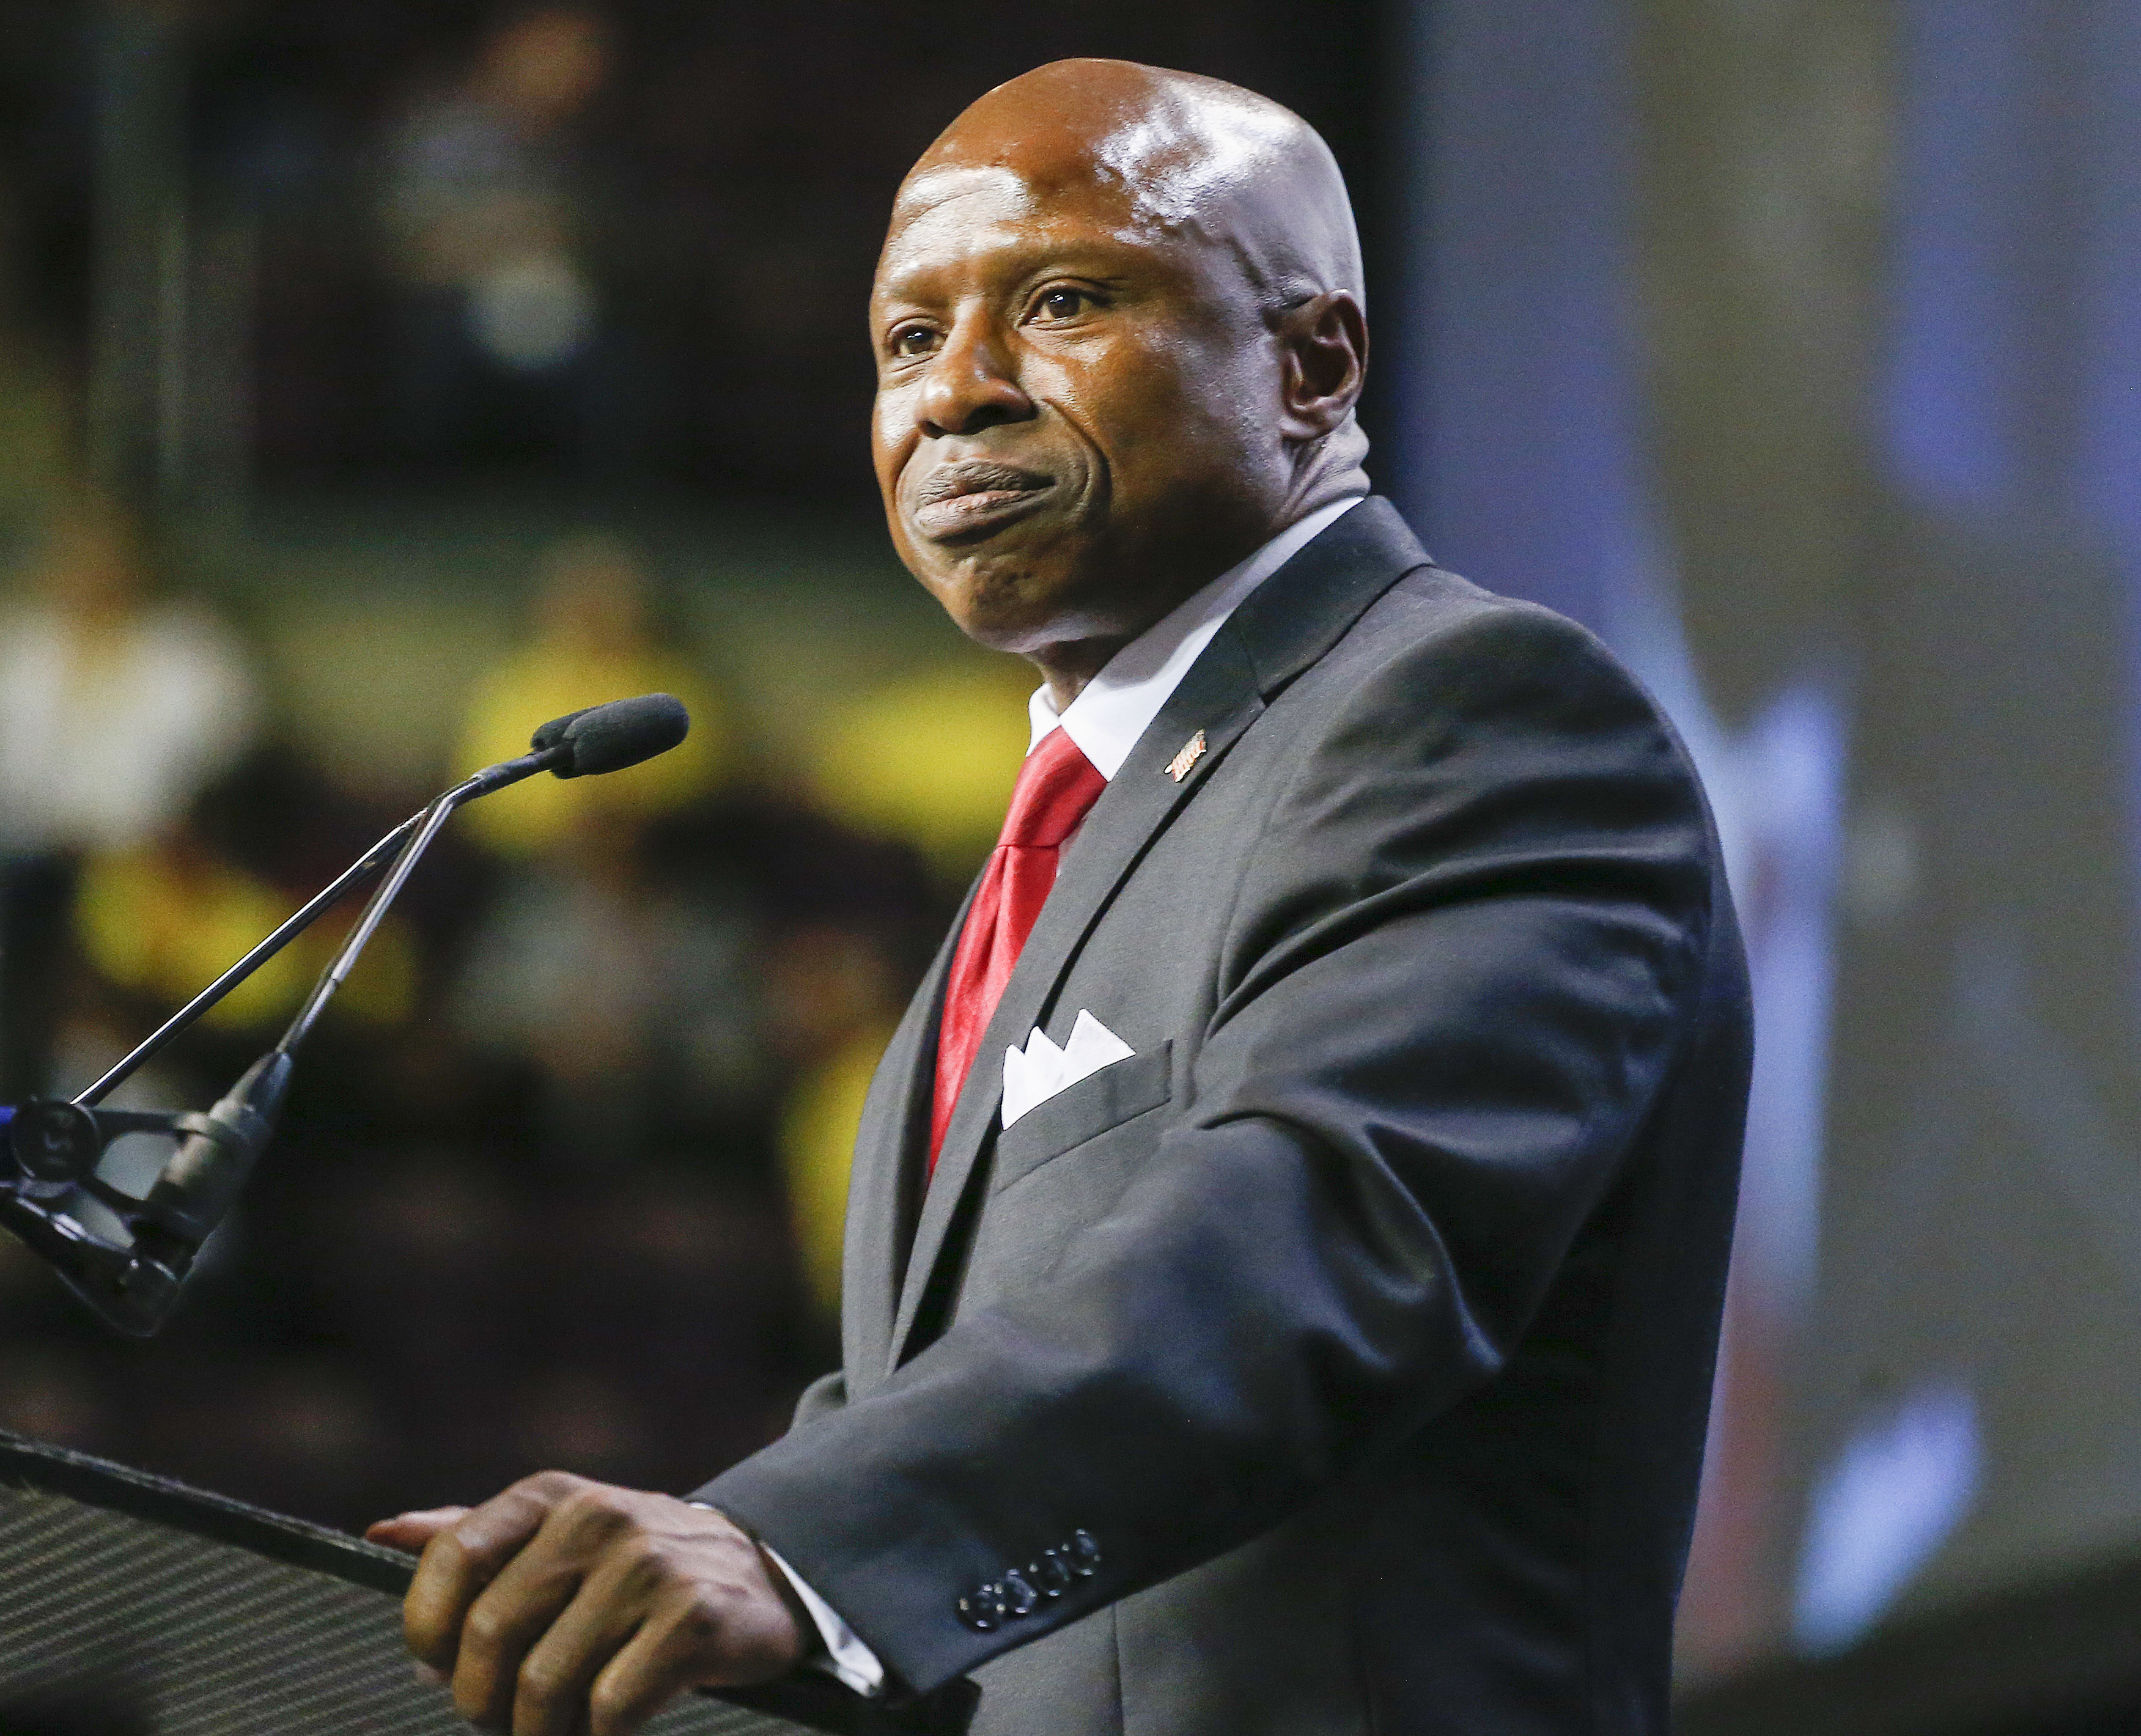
x: 913, y: 341
x: 1062, y: 304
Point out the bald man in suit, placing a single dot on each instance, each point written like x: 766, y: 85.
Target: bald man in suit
x: 1288, y: 1228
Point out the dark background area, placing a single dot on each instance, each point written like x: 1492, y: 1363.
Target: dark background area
x: 739, y: 162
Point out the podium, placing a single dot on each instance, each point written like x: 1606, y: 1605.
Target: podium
x: 131, y: 1606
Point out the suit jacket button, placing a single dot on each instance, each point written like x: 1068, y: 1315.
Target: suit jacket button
x: 1019, y: 1595
x: 1084, y: 1554
x: 981, y: 1609
x: 1051, y: 1573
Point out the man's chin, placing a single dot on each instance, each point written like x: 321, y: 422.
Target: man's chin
x: 1010, y: 608
x: 1015, y: 588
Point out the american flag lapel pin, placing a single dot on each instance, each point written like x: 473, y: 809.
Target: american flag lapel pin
x: 1192, y: 751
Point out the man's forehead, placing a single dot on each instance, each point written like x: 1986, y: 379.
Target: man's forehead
x: 938, y: 201
x: 1158, y: 162
x: 1154, y: 158
x: 959, y: 212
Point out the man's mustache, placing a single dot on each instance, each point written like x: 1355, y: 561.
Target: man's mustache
x: 975, y: 476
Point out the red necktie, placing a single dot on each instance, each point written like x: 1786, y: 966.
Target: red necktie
x: 1056, y: 786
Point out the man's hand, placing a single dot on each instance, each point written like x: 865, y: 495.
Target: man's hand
x: 566, y: 1606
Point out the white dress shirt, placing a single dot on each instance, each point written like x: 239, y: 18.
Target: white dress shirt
x: 1105, y: 720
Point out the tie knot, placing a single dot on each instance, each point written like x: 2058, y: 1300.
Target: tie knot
x: 1056, y: 786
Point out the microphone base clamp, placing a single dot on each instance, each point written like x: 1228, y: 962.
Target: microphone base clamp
x: 130, y: 1279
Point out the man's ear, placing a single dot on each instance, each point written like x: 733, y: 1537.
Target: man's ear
x: 1323, y: 351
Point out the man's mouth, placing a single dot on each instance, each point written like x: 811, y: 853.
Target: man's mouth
x: 960, y: 500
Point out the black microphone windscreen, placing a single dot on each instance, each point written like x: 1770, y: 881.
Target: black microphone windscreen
x: 554, y: 732
x: 623, y: 733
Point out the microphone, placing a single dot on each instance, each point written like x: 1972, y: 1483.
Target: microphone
x: 57, y: 1146
x: 609, y: 737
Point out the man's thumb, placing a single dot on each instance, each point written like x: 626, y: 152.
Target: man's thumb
x: 412, y: 1531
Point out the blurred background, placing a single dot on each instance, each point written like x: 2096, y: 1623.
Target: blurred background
x: 379, y: 380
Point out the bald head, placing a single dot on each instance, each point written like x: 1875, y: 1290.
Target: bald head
x: 1120, y: 336
x: 1191, y: 156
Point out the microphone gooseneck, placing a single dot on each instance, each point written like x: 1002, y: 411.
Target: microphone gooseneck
x: 57, y: 1146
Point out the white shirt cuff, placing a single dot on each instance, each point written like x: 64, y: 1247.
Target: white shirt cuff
x: 846, y: 1657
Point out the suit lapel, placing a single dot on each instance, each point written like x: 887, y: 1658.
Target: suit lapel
x: 884, y: 1188
x: 1289, y: 622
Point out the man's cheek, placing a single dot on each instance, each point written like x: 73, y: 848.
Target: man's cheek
x: 894, y: 436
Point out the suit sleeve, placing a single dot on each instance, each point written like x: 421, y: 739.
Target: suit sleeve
x: 1460, y: 970
x: 822, y: 1397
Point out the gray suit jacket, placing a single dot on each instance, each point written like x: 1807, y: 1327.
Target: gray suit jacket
x: 1339, y: 1362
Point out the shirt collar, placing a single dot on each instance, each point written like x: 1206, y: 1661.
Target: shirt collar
x: 1115, y: 707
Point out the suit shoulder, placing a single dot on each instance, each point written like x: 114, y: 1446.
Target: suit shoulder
x: 1431, y: 602
x: 1438, y: 649
x: 1444, y: 693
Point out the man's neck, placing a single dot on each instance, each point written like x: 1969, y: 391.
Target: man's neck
x: 1069, y: 666
x: 1068, y: 669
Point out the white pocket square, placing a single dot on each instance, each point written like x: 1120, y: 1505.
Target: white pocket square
x: 1037, y: 1072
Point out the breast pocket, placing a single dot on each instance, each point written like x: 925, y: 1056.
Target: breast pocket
x: 1081, y: 1112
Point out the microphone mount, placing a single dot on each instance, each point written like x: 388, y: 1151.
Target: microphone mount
x: 132, y: 1279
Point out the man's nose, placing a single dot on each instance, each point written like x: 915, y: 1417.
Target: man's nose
x: 970, y: 385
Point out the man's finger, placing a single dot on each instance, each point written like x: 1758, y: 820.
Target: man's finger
x: 555, y: 1678
x: 412, y: 1531
x: 512, y: 1613
x: 690, y: 1640
x: 671, y: 1651
x: 463, y: 1557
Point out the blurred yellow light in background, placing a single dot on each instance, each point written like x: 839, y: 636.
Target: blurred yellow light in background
x: 545, y: 681
x: 165, y: 923
x: 817, y: 1150
x: 929, y: 758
